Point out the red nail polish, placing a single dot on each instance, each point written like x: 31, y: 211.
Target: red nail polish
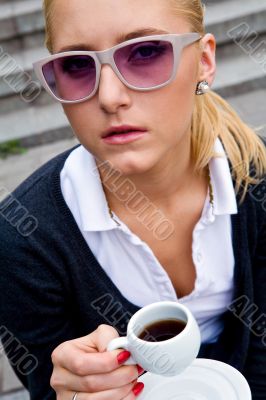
x: 140, y: 369
x: 123, y: 356
x: 138, y: 388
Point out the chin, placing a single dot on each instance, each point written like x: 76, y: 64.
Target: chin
x: 128, y: 170
x: 132, y: 166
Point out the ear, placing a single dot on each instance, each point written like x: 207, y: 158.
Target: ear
x: 207, y: 66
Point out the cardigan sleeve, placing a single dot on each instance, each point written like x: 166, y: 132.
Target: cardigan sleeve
x: 34, y: 315
x: 255, y: 370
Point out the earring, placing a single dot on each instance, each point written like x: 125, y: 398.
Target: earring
x: 202, y: 88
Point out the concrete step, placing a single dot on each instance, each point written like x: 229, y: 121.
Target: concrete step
x: 8, y: 380
x: 20, y: 17
x: 210, y: 2
x: 16, y: 168
x: 17, y: 103
x: 251, y: 108
x: 239, y: 74
x: 35, y: 125
x: 16, y: 70
x: 221, y: 17
x: 23, y: 42
x: 16, y: 395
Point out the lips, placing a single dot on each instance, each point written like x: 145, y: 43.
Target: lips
x: 124, y: 129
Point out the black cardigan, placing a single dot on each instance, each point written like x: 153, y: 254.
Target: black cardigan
x: 52, y: 288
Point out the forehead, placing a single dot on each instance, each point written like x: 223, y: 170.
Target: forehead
x: 102, y: 23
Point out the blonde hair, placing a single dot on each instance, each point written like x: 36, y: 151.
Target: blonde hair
x: 212, y: 116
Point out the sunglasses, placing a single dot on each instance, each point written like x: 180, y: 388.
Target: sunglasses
x: 142, y: 64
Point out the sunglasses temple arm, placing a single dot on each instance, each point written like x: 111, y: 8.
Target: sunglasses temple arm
x: 190, y: 38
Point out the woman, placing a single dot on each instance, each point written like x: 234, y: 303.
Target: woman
x: 144, y: 210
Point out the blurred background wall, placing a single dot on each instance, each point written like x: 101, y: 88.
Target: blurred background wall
x: 33, y: 127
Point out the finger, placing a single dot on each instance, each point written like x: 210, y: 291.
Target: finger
x: 84, y: 359
x: 114, y: 394
x: 63, y: 379
x: 82, y: 364
x: 100, y: 338
x: 103, y: 336
x: 137, y: 389
x: 130, y: 396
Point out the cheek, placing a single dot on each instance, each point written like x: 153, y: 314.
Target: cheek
x: 82, y: 119
x: 173, y: 106
x: 182, y: 95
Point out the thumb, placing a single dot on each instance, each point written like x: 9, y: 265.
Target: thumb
x: 98, y: 340
x: 103, y: 336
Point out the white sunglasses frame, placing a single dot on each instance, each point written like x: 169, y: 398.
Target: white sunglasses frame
x: 178, y: 41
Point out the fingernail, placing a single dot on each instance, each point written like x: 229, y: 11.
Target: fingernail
x: 123, y: 356
x: 138, y: 388
x: 140, y: 369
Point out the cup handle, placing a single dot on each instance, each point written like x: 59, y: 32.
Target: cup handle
x: 121, y: 343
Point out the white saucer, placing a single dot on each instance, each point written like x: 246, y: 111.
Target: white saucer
x: 204, y: 379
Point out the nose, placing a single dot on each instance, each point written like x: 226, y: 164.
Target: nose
x: 112, y: 93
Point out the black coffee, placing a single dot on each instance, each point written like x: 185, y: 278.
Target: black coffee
x: 162, y: 330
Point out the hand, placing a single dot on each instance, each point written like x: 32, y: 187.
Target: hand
x: 84, y: 366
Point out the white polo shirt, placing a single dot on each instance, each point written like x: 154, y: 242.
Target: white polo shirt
x: 131, y: 264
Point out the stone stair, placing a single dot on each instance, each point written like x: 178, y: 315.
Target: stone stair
x: 10, y: 386
x: 34, y: 118
x: 240, y: 75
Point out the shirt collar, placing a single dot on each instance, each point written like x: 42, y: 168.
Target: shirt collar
x: 83, y: 187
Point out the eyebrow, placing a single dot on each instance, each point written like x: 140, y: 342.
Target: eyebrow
x: 122, y: 38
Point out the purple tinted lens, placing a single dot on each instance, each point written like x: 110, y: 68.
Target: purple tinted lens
x: 72, y: 77
x: 146, y: 64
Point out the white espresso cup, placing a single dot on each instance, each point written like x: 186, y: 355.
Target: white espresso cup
x: 166, y: 357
